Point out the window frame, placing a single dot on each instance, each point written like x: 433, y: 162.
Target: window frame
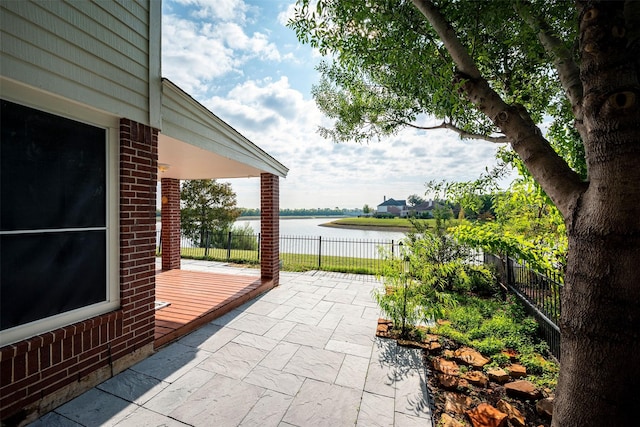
x: 50, y: 103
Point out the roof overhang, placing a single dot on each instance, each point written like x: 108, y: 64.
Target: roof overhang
x: 196, y: 144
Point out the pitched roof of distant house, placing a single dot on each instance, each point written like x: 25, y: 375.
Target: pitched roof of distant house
x: 424, y: 206
x: 392, y: 202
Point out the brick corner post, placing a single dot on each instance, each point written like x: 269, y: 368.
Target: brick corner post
x: 270, y: 227
x: 138, y: 188
x: 170, y: 197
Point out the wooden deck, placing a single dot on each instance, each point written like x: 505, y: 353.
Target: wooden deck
x: 196, y: 298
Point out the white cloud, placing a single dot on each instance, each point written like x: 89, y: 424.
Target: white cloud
x: 287, y: 14
x: 218, y: 9
x: 190, y: 58
x: 197, y: 53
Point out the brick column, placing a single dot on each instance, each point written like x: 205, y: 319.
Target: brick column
x: 270, y: 227
x: 138, y: 187
x: 170, y: 193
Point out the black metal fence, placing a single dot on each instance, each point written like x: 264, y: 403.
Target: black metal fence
x: 540, y: 293
x: 297, y: 253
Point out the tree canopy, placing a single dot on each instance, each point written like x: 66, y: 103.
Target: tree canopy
x: 208, y: 207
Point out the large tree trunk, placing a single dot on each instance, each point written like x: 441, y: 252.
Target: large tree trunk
x: 600, y: 350
x: 599, y: 382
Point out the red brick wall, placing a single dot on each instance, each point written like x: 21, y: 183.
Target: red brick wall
x: 170, y: 194
x: 42, y: 372
x: 270, y: 227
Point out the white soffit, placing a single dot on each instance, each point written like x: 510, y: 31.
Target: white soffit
x: 177, y: 159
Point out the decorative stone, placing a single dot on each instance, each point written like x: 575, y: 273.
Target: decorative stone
x: 471, y: 357
x: 510, y: 353
x: 447, y: 420
x: 443, y: 322
x: 431, y: 338
x: 485, y: 415
x: 382, y: 329
x: 448, y: 354
x: 456, y: 403
x: 522, y: 389
x: 448, y: 381
x: 498, y: 375
x: 476, y: 378
x: 544, y: 407
x: 515, y: 416
x: 433, y: 346
x: 446, y: 366
x: 517, y: 371
x: 384, y: 326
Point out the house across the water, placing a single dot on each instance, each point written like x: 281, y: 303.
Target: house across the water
x: 393, y: 207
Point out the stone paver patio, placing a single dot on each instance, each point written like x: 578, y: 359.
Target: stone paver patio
x: 303, y: 354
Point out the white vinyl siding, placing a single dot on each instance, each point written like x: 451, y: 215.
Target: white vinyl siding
x: 96, y: 53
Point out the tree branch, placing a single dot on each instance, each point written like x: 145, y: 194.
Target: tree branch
x: 461, y: 132
x: 559, y: 181
x: 568, y: 70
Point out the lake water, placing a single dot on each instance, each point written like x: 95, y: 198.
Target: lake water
x: 306, y: 236
x: 311, y: 227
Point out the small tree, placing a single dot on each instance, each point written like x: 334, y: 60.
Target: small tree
x: 366, y: 209
x: 414, y: 200
x: 208, y: 207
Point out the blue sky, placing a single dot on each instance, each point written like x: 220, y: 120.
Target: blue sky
x: 238, y: 58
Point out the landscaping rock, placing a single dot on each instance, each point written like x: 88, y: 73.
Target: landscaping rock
x: 446, y: 366
x: 471, y: 357
x: 485, y: 415
x: 448, y: 354
x: 433, y: 346
x: 448, y: 381
x: 522, y: 389
x: 456, y: 403
x: 384, y: 326
x: 516, y: 418
x: 510, y: 353
x: 544, y: 407
x: 517, y: 371
x: 431, y: 338
x: 498, y: 375
x: 447, y: 420
x: 463, y: 385
x: 476, y: 378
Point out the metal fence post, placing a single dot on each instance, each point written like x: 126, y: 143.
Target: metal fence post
x: 319, y: 252
x: 258, y: 246
x: 229, y: 246
x: 206, y: 243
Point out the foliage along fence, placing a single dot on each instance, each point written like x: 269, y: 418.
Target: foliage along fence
x: 540, y: 293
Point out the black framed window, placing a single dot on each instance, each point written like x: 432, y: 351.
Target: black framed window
x: 53, y: 215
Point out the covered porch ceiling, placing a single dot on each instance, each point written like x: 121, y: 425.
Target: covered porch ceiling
x: 179, y: 160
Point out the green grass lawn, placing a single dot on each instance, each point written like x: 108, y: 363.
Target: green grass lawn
x: 388, y: 222
x: 290, y: 262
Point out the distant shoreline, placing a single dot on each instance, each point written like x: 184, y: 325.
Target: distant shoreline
x: 365, y: 227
